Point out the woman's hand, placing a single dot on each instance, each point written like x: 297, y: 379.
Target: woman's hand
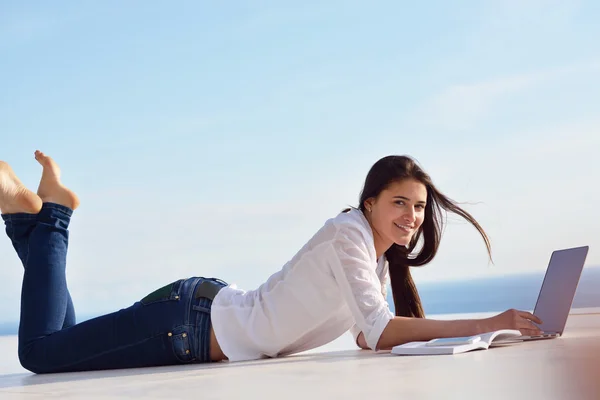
x: 514, y: 319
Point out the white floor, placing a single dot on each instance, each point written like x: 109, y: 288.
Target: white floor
x: 550, y: 369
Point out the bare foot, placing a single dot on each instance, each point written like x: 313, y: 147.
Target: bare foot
x: 51, y: 190
x: 14, y: 196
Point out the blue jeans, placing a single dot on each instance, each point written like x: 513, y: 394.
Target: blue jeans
x: 169, y: 326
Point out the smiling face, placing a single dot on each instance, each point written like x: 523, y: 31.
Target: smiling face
x: 396, y: 213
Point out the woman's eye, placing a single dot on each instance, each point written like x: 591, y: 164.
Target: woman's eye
x: 418, y: 206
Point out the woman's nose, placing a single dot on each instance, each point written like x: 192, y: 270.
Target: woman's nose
x: 410, y: 215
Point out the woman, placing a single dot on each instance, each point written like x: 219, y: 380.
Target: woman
x: 335, y: 283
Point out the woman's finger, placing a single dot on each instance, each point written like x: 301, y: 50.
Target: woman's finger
x: 529, y: 327
x: 530, y: 316
x: 530, y: 332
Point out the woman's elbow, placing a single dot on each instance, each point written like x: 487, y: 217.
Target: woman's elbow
x: 361, y: 342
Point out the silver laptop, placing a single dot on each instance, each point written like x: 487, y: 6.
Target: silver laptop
x: 558, y: 291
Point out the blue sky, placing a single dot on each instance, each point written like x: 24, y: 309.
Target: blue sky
x: 214, y: 139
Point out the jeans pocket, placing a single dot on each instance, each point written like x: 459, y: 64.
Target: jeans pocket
x: 165, y: 293
x: 180, y: 342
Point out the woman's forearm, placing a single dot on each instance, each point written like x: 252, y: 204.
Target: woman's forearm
x: 402, y: 330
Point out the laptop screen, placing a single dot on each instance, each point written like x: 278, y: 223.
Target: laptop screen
x: 559, y: 286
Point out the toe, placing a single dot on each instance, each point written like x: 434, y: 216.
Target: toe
x: 41, y: 157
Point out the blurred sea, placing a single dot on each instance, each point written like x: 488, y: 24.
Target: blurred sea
x: 476, y: 296
x: 500, y: 293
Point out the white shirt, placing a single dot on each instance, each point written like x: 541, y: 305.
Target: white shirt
x: 333, y: 284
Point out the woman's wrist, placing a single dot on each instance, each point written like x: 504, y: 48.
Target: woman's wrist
x: 483, y: 325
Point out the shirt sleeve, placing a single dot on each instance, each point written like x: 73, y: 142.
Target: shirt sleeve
x: 354, y: 269
x: 355, y: 331
x: 384, y: 278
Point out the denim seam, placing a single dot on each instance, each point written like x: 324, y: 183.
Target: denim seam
x: 19, y: 217
x: 26, y: 261
x: 201, y: 309
x: 188, y: 320
x: 60, y: 208
x: 192, y: 328
x: 205, y: 326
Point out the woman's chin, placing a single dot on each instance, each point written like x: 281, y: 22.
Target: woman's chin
x: 403, y: 242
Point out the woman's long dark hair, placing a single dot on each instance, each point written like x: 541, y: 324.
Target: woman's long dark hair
x: 384, y: 172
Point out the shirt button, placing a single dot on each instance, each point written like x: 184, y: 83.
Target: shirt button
x: 170, y: 334
x: 187, y: 352
x: 184, y: 335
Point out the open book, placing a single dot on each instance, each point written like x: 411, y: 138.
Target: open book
x: 458, y: 344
